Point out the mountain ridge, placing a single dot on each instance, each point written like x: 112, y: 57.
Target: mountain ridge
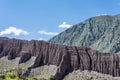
x: 103, y: 30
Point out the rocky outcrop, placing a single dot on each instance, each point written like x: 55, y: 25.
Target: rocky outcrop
x: 67, y: 58
x: 99, y: 32
x: 25, y: 57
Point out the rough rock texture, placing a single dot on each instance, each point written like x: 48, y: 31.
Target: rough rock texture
x: 65, y: 57
x: 101, y: 33
x: 25, y: 57
x: 88, y: 75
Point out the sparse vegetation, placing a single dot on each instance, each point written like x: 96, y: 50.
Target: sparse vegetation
x: 14, y: 75
x: 11, y: 76
x: 40, y: 73
x: 2, y: 77
x: 46, y: 72
x: 87, y: 75
x: 52, y: 77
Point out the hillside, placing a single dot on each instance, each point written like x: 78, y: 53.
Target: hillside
x: 47, y: 70
x: 100, y: 33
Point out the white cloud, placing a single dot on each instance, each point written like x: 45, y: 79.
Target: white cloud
x: 64, y: 25
x: 14, y: 30
x: 40, y: 39
x: 47, y: 33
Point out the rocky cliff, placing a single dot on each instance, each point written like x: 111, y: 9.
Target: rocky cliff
x: 66, y: 58
x: 99, y: 32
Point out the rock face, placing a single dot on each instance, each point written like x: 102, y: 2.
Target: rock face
x: 100, y: 33
x: 66, y: 58
x: 25, y: 57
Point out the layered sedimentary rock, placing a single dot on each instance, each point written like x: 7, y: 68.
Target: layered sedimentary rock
x: 65, y: 57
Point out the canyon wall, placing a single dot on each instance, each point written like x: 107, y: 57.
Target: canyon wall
x: 66, y: 58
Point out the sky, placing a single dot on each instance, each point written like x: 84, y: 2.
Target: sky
x: 43, y: 19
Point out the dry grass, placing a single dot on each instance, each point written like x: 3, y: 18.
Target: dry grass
x: 43, y: 71
x: 86, y: 75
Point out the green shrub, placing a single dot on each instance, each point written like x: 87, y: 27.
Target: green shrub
x: 26, y: 79
x: 2, y: 77
x: 43, y: 79
x: 35, y: 79
x: 52, y: 77
x: 11, y: 76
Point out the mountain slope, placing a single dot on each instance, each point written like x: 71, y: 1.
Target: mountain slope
x: 100, y: 33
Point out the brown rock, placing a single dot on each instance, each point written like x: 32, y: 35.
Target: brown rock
x: 25, y: 57
x: 65, y: 57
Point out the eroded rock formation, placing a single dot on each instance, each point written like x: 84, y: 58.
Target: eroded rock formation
x: 65, y: 57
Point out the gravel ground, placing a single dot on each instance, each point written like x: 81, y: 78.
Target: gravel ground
x: 86, y: 75
x: 43, y: 71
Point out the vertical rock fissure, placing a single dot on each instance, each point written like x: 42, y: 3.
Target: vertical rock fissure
x: 64, y: 67
x: 78, y: 57
x: 1, y: 48
x: 90, y: 64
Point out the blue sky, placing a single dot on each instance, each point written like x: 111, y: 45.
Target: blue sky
x: 43, y: 19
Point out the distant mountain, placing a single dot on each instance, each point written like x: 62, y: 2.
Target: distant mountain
x: 100, y: 32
